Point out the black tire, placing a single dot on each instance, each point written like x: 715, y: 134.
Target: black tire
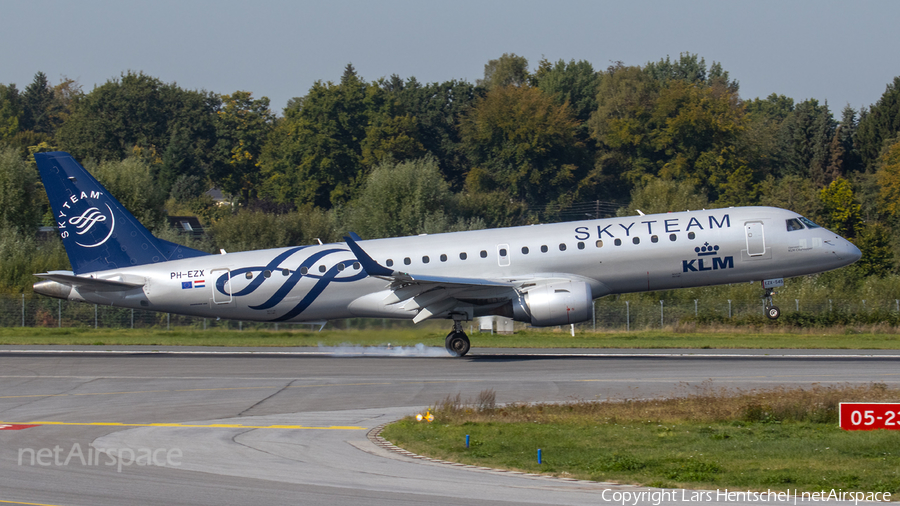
x: 457, y: 343
x: 773, y: 312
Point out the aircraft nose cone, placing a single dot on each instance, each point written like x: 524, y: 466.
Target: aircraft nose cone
x: 853, y: 253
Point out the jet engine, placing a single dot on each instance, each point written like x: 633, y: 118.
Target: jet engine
x: 559, y: 303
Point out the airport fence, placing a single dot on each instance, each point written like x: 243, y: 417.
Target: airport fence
x: 610, y: 313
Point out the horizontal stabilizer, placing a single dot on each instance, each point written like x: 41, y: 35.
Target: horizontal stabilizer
x: 93, y: 284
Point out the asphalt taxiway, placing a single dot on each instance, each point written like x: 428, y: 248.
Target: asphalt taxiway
x: 289, y: 426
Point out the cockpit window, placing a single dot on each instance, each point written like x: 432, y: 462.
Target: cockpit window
x: 794, y: 224
x: 808, y: 223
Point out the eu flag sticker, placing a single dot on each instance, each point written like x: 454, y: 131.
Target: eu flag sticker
x: 185, y: 285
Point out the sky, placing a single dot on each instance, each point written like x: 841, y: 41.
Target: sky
x: 842, y: 52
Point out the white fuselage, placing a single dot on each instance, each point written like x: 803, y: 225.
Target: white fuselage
x: 615, y: 255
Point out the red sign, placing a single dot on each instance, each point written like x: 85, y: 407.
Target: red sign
x: 15, y: 426
x: 870, y: 415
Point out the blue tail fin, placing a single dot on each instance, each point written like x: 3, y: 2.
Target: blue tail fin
x: 98, y: 233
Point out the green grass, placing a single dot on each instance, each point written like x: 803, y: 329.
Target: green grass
x: 674, y: 338
x: 783, y: 439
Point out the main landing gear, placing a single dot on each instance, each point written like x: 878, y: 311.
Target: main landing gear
x: 457, y: 341
x: 772, y: 311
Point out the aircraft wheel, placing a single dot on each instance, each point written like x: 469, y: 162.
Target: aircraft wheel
x: 457, y: 343
x: 773, y: 312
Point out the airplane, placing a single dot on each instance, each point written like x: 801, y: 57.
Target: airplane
x: 543, y: 275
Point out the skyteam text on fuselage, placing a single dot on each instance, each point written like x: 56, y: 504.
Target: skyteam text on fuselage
x: 541, y: 274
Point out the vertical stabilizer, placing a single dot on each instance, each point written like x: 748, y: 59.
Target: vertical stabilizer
x: 98, y: 233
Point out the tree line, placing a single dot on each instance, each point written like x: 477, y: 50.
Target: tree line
x: 396, y: 156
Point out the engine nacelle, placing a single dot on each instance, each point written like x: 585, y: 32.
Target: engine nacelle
x: 555, y: 304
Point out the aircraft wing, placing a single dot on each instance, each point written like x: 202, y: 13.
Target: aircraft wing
x: 429, y: 295
x: 93, y: 284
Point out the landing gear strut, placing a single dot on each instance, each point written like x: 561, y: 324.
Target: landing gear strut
x: 457, y: 341
x: 772, y: 311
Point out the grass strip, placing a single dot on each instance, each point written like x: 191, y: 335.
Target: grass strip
x: 694, y: 339
x: 782, y: 439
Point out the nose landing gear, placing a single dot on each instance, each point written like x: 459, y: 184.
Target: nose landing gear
x: 772, y: 311
x: 457, y: 342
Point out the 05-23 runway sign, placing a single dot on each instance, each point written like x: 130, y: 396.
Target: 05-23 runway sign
x: 870, y: 415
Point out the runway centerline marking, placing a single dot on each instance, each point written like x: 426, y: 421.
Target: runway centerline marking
x: 203, y: 426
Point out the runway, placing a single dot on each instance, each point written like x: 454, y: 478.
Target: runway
x: 288, y: 426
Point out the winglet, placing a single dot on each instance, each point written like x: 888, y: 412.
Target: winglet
x: 371, y: 266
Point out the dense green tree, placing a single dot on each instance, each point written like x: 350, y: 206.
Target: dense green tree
x: 402, y: 198
x: 874, y: 242
x: 625, y: 101
x: 243, y: 125
x: 131, y: 182
x: 879, y: 125
x: 692, y: 69
x: 508, y: 70
x: 521, y: 141
x: 759, y: 141
x: 141, y: 111
x: 18, y: 195
x: 38, y: 105
x: 10, y: 110
x: 663, y: 196
x: 437, y: 109
x: 792, y: 192
x: 575, y: 83
x: 805, y: 137
x: 249, y: 230
x: 315, y: 154
x: 840, y: 209
x: 888, y: 174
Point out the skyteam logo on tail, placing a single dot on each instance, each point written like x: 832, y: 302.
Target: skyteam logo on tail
x: 710, y: 254
x: 84, y: 225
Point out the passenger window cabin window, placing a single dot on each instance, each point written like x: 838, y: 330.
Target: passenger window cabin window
x: 356, y: 266
x: 340, y: 267
x: 580, y: 245
x: 285, y: 272
x: 443, y: 258
x: 389, y: 263
x: 562, y: 246
x: 524, y: 250
x: 599, y: 243
x: 503, y: 252
x: 794, y: 224
x: 425, y: 259
x: 691, y: 235
x: 322, y: 268
x: 249, y: 275
x: 463, y: 256
x: 407, y: 261
x: 636, y: 240
x: 483, y: 254
x: 672, y: 237
x: 618, y: 242
x: 654, y: 239
x: 304, y: 271
x: 544, y: 248
x: 267, y: 273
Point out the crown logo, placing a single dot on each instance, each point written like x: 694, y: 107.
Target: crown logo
x: 706, y: 250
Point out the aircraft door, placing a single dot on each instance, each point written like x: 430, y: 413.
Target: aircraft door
x: 503, y: 254
x: 221, y: 286
x: 756, y: 238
